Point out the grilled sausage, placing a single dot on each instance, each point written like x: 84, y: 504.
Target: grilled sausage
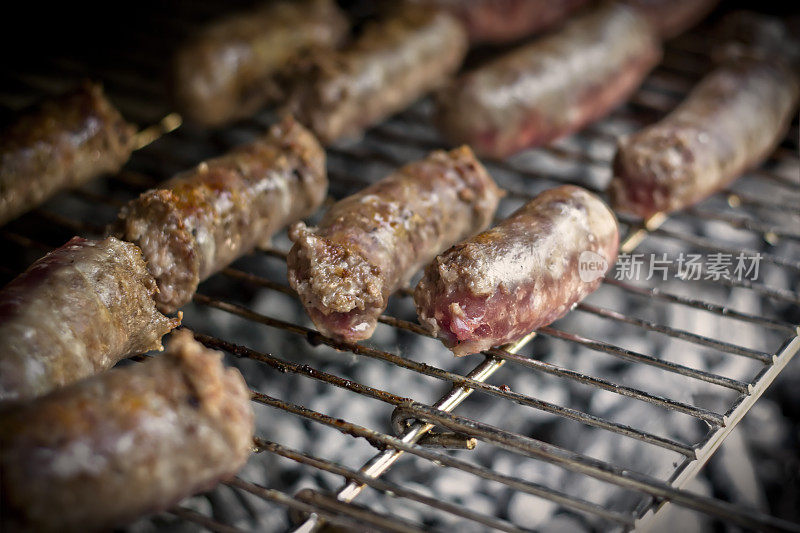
x: 394, y: 62
x: 551, y: 87
x: 369, y: 244
x: 205, y: 218
x: 523, y: 274
x: 60, y: 144
x: 226, y: 71
x: 133, y: 440
x: 74, y: 313
x: 729, y: 123
x: 502, y: 21
x: 673, y: 17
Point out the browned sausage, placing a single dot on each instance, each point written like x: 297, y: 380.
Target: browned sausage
x: 226, y: 71
x: 551, y: 87
x: 729, y: 123
x: 205, y: 218
x: 523, y: 274
x: 369, y: 244
x: 502, y: 21
x: 61, y: 144
x: 74, y: 313
x: 393, y: 63
x: 131, y: 441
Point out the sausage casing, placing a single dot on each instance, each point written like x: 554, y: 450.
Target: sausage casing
x: 394, y: 62
x: 551, y: 87
x: 226, y: 71
x: 520, y: 275
x: 205, y: 218
x: 62, y: 143
x: 74, y: 313
x: 730, y: 122
x: 369, y: 244
x: 502, y: 21
x: 130, y: 441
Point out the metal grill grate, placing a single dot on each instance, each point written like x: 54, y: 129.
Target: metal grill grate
x: 758, y: 214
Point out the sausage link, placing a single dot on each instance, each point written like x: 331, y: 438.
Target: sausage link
x: 131, y: 441
x: 75, y: 313
x: 205, y: 218
x: 226, y: 71
x: 730, y: 122
x: 370, y: 244
x: 552, y: 87
x: 63, y: 143
x: 502, y: 21
x: 523, y: 274
x: 394, y: 62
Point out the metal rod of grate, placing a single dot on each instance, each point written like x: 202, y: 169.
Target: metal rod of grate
x: 415, y: 421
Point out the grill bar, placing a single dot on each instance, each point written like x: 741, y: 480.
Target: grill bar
x: 631, y: 355
x: 202, y: 520
x: 676, y: 333
x: 709, y: 245
x: 744, y: 223
x: 346, y: 517
x: 697, y: 412
x: 384, y: 486
x: 356, y: 430
x: 654, y: 293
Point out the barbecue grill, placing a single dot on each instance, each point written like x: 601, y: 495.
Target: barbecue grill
x: 439, y: 413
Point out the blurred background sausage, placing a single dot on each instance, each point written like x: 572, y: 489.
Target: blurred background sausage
x: 551, y: 87
x: 225, y: 71
x: 61, y: 143
x: 396, y: 60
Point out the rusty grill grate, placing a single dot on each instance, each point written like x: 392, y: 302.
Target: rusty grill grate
x: 757, y: 214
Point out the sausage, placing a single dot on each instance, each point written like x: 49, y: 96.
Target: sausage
x: 226, y: 71
x: 503, y: 21
x: 369, y: 244
x: 394, y: 62
x: 76, y: 312
x: 673, y: 17
x: 523, y: 274
x: 131, y: 441
x: 60, y: 144
x: 730, y: 122
x: 551, y: 87
x: 203, y: 219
